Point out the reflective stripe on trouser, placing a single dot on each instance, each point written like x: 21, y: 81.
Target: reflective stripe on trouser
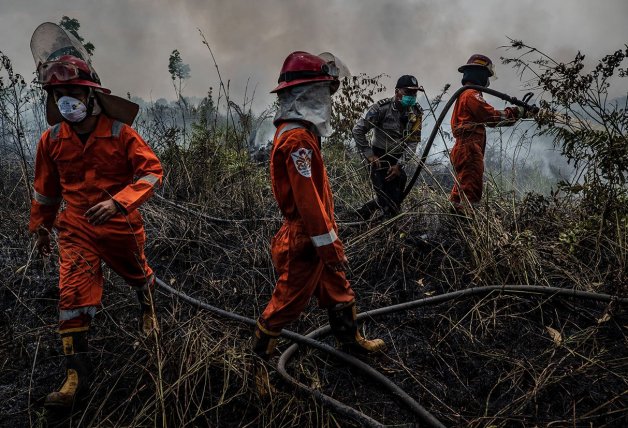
x: 82, y: 247
x: 467, y: 159
x: 301, y: 275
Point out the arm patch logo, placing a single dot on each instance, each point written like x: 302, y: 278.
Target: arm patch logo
x: 302, y: 159
x: 479, y: 97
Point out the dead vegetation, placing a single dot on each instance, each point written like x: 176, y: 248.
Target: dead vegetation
x: 524, y: 360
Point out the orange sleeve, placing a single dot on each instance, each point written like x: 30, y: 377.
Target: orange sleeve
x: 485, y: 113
x: 146, y: 170
x: 303, y: 162
x: 46, y: 189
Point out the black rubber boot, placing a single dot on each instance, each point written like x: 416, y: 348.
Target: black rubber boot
x: 367, y: 210
x: 343, y: 323
x: 76, y: 384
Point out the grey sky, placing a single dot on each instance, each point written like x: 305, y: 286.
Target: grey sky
x: 250, y: 39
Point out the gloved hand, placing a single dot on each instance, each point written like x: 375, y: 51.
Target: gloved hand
x: 523, y: 113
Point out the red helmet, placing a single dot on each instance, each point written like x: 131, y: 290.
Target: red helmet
x: 301, y: 67
x: 68, y: 70
x: 479, y: 60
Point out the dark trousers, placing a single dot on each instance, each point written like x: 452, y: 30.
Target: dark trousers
x: 388, y: 193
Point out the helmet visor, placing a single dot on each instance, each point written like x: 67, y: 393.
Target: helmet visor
x: 50, y: 41
x: 491, y: 69
x: 330, y: 69
x: 339, y: 67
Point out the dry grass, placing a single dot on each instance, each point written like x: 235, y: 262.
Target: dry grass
x: 492, y: 361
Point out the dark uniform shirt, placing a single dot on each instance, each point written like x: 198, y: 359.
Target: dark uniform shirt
x: 396, y: 129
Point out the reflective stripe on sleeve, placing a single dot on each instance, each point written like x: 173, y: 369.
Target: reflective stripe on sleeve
x: 324, y: 239
x: 150, y: 178
x: 68, y: 314
x: 45, y: 200
x: 116, y: 128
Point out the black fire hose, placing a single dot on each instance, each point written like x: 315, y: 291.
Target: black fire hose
x: 411, y: 403
x: 509, y: 289
x: 343, y: 409
x: 441, y: 117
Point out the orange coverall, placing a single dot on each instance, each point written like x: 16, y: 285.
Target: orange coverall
x: 471, y: 114
x: 308, y: 239
x: 115, y: 162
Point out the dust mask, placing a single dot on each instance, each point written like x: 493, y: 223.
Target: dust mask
x: 71, y: 109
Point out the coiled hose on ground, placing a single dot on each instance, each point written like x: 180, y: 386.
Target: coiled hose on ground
x: 342, y: 409
x: 414, y: 406
x: 308, y: 340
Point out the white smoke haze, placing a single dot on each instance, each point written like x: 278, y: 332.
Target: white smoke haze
x: 250, y: 40
x: 429, y: 39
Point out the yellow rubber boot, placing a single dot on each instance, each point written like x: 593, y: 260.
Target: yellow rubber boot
x: 344, y: 325
x: 372, y: 345
x: 148, y: 324
x: 75, y: 385
x: 264, y: 343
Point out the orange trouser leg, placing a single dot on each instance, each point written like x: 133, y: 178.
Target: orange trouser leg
x: 121, y: 246
x: 301, y: 275
x: 467, y: 158
x: 119, y: 243
x: 333, y: 289
x: 80, y: 275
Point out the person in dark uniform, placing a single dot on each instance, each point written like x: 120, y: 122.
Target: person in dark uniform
x: 396, y: 124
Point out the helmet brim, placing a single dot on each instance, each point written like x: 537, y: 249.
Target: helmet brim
x: 115, y: 107
x: 462, y: 68
x: 334, y: 83
x: 412, y: 88
x: 77, y: 82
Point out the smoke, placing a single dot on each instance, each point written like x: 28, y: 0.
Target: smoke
x: 250, y: 40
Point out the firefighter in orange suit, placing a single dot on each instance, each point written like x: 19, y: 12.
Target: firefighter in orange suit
x: 306, y: 252
x: 469, y: 119
x: 104, y: 171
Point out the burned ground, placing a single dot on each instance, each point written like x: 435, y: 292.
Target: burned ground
x: 480, y: 361
x: 515, y: 360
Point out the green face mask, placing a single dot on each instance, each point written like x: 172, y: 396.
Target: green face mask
x: 408, y: 100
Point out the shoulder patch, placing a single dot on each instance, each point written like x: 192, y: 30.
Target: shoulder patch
x: 384, y: 102
x: 116, y: 128
x: 371, y: 114
x: 479, y: 97
x: 302, y: 159
x: 54, y: 131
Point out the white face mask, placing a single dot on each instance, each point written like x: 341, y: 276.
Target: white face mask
x: 71, y: 109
